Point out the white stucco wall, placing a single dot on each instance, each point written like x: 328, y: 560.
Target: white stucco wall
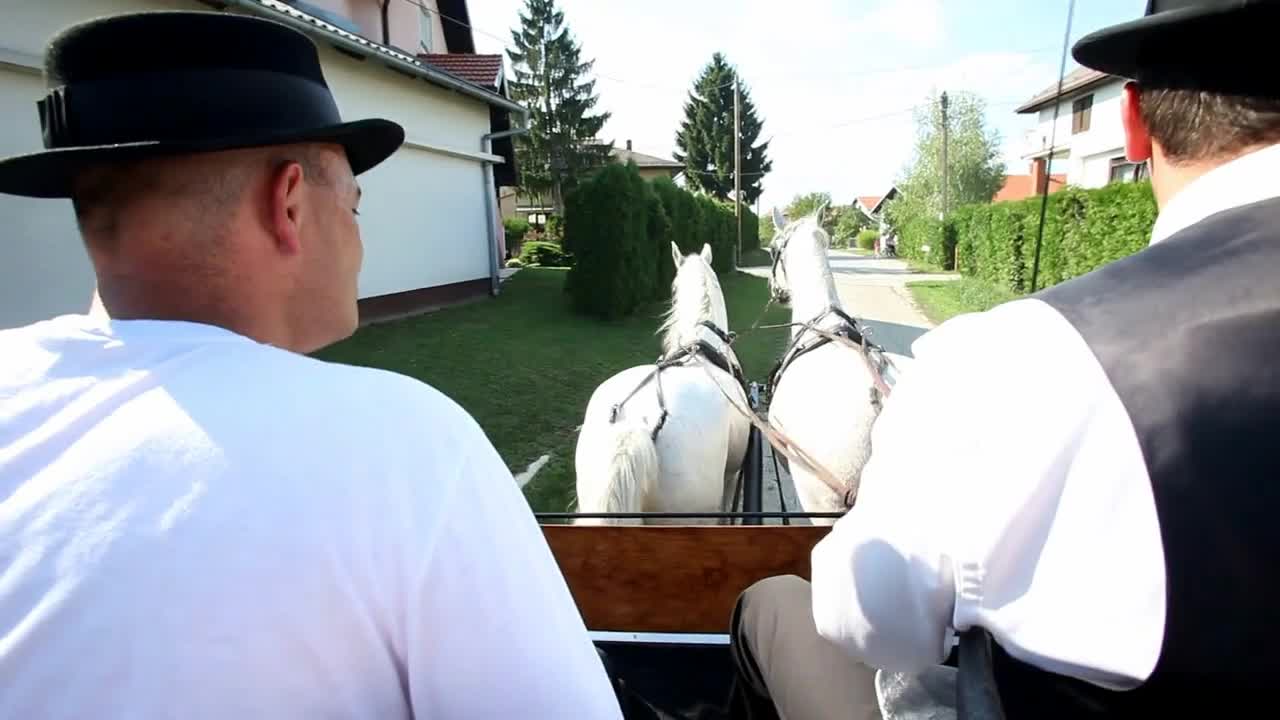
x: 1090, y: 151
x: 422, y: 220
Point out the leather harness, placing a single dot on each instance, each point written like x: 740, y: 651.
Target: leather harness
x: 679, y: 357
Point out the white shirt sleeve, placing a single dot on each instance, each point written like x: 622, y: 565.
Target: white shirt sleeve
x: 492, y: 629
x: 1006, y: 488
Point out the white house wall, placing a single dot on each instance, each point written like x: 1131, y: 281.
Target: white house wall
x: 422, y: 220
x: 1089, y: 162
x: 44, y: 271
x: 423, y: 216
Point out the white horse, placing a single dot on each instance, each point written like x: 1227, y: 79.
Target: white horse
x: 683, y: 459
x: 826, y: 399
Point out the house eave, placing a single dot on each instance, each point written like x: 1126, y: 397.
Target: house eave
x: 364, y: 48
x: 1068, y: 93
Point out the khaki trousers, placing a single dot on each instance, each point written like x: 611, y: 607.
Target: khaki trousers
x: 782, y: 658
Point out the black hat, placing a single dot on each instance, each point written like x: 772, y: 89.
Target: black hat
x: 134, y: 86
x: 1214, y: 45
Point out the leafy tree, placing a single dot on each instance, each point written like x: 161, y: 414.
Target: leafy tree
x: 561, y: 146
x: 805, y: 204
x: 705, y: 138
x: 975, y: 171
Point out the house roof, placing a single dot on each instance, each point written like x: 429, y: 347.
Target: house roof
x: 482, y: 70
x: 351, y: 43
x: 1017, y: 187
x: 871, y: 204
x: 1075, y: 81
x: 622, y: 155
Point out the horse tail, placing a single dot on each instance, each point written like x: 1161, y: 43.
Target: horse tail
x: 630, y: 471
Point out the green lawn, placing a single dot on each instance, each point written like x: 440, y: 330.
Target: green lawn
x: 944, y: 299
x: 524, y: 365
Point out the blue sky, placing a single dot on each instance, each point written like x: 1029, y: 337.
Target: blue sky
x: 834, y: 81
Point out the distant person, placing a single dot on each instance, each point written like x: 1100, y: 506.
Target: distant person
x: 1089, y: 474
x: 196, y: 519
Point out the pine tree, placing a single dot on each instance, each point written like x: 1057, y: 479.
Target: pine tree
x: 561, y: 146
x: 705, y: 138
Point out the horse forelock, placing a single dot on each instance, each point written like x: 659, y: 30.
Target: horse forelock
x: 691, y: 303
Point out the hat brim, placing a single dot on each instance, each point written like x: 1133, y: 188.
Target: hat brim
x: 52, y: 173
x: 1129, y: 48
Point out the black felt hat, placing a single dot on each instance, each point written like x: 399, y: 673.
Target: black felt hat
x: 134, y: 86
x: 1216, y: 45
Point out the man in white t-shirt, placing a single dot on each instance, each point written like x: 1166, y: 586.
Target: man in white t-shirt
x: 197, y: 519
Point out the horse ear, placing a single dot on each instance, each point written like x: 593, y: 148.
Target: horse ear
x: 821, y: 209
x: 706, y: 253
x: 779, y: 222
x: 675, y: 254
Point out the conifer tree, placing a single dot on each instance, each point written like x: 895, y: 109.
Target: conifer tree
x: 562, y: 145
x: 705, y: 138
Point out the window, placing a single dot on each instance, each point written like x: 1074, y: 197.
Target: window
x: 1081, y: 110
x: 1122, y: 170
x: 425, y: 34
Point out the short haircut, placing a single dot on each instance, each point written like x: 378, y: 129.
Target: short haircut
x: 101, y: 192
x: 1197, y: 125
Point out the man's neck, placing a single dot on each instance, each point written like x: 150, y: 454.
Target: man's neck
x: 1188, y: 193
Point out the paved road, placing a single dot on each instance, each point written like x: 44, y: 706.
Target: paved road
x: 874, y: 291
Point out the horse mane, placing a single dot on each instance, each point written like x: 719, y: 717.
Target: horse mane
x: 690, y: 305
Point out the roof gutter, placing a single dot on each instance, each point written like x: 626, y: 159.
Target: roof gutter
x: 359, y: 46
x: 491, y: 214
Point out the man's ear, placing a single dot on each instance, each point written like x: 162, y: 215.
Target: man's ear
x: 1137, y: 138
x: 285, y: 191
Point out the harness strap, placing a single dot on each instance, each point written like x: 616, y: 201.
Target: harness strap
x: 676, y: 358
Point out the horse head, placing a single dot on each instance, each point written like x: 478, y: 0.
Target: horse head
x: 802, y: 234
x: 695, y: 297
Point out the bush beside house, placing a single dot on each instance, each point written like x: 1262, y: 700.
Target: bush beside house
x: 995, y: 242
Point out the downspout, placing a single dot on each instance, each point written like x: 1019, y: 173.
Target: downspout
x: 491, y: 214
x: 386, y: 22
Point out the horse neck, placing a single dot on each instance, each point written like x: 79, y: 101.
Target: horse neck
x: 813, y: 287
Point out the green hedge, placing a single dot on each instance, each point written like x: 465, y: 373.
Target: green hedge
x: 1083, y: 230
x: 619, y: 229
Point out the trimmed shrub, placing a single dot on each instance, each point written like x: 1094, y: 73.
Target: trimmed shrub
x: 659, y: 228
x: 606, y: 228
x: 514, y: 228
x: 540, y: 253
x: 867, y: 239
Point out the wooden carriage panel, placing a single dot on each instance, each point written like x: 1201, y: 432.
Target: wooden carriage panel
x: 672, y: 578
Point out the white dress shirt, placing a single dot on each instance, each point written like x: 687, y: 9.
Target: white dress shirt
x: 196, y: 525
x: 1006, y: 489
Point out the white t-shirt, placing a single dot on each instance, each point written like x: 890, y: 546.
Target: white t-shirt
x: 193, y: 524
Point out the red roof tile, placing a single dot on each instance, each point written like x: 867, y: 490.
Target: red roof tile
x: 1018, y: 187
x: 482, y: 70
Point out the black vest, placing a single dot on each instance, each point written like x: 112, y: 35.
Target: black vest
x: 1188, y: 332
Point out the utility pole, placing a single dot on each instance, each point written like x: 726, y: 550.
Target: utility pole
x: 737, y: 168
x: 945, y: 178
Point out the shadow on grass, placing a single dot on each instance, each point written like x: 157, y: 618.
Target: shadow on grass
x: 525, y: 365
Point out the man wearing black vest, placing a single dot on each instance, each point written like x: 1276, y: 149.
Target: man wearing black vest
x: 1089, y: 474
